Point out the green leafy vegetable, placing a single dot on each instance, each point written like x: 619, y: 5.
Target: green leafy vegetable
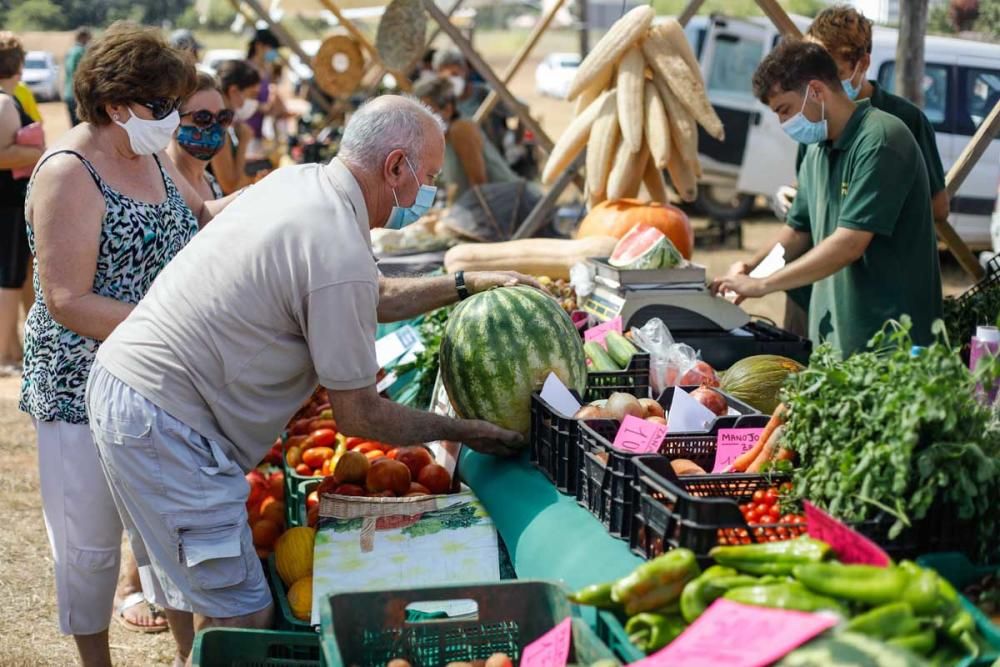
x: 426, y: 362
x: 885, y: 431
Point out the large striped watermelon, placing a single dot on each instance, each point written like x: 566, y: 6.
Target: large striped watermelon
x: 500, y: 346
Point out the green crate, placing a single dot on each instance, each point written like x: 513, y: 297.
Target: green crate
x: 239, y: 647
x: 369, y: 629
x: 283, y: 617
x: 960, y: 571
x: 299, y: 515
x: 611, y: 631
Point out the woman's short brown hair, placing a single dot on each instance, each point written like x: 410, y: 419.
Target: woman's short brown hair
x: 11, y: 55
x: 206, y: 81
x: 844, y: 31
x: 130, y: 63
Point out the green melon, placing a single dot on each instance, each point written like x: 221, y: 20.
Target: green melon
x: 757, y: 380
x: 499, y: 347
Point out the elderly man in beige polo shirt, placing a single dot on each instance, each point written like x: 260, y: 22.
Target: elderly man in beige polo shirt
x: 279, y: 293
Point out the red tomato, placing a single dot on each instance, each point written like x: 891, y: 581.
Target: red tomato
x: 785, y: 488
x: 315, y: 456
x: 762, y: 508
x: 771, y: 496
x: 751, y: 516
x: 323, y: 425
x: 758, y: 496
x: 304, y: 470
x: 323, y: 437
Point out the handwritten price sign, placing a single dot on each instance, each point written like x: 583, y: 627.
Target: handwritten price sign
x: 849, y: 545
x: 638, y: 436
x: 551, y: 649
x: 738, y: 635
x: 601, y: 331
x: 730, y: 443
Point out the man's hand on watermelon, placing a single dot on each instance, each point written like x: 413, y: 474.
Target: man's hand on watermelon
x: 487, y: 438
x: 480, y: 281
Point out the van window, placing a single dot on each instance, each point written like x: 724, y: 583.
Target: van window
x: 733, y: 65
x: 979, y: 94
x: 936, y: 86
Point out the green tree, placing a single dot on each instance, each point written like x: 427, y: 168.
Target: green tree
x: 35, y: 15
x: 989, y: 18
x: 938, y: 20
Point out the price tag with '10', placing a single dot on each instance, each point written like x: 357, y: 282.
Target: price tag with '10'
x: 638, y: 436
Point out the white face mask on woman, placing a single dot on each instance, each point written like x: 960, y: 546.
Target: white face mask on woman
x: 147, y: 137
x: 247, y: 109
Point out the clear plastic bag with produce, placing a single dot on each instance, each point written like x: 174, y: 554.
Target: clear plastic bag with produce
x: 671, y: 363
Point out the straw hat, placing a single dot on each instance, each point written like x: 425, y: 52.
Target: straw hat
x: 338, y: 65
x: 401, y: 33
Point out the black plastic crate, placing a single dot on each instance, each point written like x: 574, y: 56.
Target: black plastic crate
x: 696, y: 512
x: 722, y: 349
x: 607, y: 476
x: 939, y: 531
x: 976, y: 300
x: 554, y: 447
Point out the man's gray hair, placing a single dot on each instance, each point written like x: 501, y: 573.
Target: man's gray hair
x: 384, y: 124
x: 446, y: 57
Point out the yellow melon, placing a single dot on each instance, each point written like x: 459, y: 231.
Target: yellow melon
x: 293, y: 554
x: 300, y: 598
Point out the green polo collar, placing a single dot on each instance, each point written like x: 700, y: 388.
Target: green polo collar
x: 877, y: 97
x: 853, y: 123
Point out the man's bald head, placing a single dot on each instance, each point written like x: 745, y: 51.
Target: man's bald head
x: 388, y: 123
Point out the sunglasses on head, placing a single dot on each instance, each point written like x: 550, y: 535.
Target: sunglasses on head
x: 161, y: 106
x: 203, y: 118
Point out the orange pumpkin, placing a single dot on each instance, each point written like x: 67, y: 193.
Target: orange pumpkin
x: 616, y: 218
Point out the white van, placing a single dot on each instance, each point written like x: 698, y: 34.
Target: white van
x: 961, y: 85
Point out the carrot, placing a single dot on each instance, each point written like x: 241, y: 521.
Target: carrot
x: 785, y: 454
x: 748, y: 457
x: 769, y: 450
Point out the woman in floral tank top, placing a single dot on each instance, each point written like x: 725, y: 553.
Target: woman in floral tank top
x: 106, y: 211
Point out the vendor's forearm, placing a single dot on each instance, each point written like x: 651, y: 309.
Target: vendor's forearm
x: 941, y: 206
x: 796, y: 243
x: 404, y: 298
x: 842, y: 248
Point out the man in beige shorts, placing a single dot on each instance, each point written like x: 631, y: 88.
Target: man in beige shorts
x: 280, y: 292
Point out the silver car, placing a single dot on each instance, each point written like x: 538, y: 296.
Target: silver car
x: 41, y: 75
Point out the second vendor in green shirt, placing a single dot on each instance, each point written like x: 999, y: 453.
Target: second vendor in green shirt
x: 860, y: 229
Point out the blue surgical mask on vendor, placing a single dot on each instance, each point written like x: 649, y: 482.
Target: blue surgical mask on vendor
x: 849, y: 87
x: 803, y: 130
x: 401, y: 216
x: 201, y: 143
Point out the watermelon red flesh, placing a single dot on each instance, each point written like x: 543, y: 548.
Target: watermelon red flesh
x: 498, y: 348
x: 638, y: 241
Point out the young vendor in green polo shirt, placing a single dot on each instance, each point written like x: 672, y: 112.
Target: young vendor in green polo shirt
x: 860, y: 229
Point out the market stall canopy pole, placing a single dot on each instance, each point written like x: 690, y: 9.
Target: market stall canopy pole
x: 401, y: 80
x: 690, y: 11
x: 543, y: 209
x: 492, y: 79
x: 779, y: 18
x: 285, y: 38
x: 515, y: 65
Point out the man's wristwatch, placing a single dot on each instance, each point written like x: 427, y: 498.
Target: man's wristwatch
x: 463, y: 291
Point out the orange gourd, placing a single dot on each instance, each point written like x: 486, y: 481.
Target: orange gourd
x: 616, y: 217
x: 293, y: 554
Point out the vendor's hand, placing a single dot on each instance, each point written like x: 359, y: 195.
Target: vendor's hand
x: 735, y: 271
x: 782, y: 200
x: 743, y: 286
x: 480, y: 281
x: 487, y: 438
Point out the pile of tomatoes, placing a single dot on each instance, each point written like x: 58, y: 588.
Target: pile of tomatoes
x: 765, y: 520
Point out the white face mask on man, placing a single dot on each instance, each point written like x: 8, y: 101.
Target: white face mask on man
x: 147, y: 137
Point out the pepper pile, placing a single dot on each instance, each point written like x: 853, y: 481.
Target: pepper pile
x: 903, y: 605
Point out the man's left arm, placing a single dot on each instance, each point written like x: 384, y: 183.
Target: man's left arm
x: 405, y: 298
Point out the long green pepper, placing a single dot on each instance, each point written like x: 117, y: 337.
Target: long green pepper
x: 772, y: 557
x: 656, y: 583
x: 856, y: 583
x: 651, y: 632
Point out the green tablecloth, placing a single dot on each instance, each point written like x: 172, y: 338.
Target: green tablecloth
x: 547, y: 534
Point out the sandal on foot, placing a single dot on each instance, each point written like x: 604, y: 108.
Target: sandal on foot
x: 132, y: 600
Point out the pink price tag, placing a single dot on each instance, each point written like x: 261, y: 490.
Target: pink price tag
x: 638, y: 436
x: 737, y: 635
x: 730, y: 443
x: 551, y: 649
x: 601, y: 331
x: 849, y: 545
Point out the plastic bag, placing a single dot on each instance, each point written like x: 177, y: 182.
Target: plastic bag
x: 670, y: 363
x: 581, y: 277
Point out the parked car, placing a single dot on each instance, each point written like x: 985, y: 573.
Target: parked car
x: 961, y: 85
x: 214, y: 57
x: 41, y: 75
x: 555, y: 73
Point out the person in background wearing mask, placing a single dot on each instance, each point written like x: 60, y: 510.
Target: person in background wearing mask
x: 234, y: 336
x: 469, y: 158
x: 106, y: 211
x: 15, y: 257
x: 469, y: 95
x: 183, y: 40
x: 240, y: 84
x: 860, y: 229
x: 847, y: 35
x: 200, y: 136
x: 71, y: 62
x: 262, y: 54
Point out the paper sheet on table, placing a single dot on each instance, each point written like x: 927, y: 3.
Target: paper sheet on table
x: 687, y: 414
x: 559, y: 398
x: 774, y: 261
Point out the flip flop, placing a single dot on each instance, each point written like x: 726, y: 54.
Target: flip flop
x: 131, y: 600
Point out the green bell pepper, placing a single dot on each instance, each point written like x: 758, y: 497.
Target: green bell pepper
x: 595, y: 595
x: 656, y: 583
x: 651, y: 632
x: 856, y: 583
x: 771, y: 557
x: 922, y: 590
x: 790, y: 595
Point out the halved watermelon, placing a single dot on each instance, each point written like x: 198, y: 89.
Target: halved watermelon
x: 645, y: 247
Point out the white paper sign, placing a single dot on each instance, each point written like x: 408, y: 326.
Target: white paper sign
x: 559, y: 398
x: 687, y: 414
x: 774, y: 261
x: 392, y: 346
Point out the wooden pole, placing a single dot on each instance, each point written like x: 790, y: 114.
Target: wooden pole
x: 690, y: 11
x: 973, y: 151
x: 533, y: 223
x: 508, y: 75
x: 779, y: 18
x: 401, y: 79
x: 910, y: 50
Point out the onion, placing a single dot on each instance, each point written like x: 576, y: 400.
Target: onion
x: 651, y: 407
x: 621, y: 404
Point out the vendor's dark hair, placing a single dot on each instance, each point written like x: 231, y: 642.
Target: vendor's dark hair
x: 265, y: 37
x: 237, y: 73
x: 792, y: 65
